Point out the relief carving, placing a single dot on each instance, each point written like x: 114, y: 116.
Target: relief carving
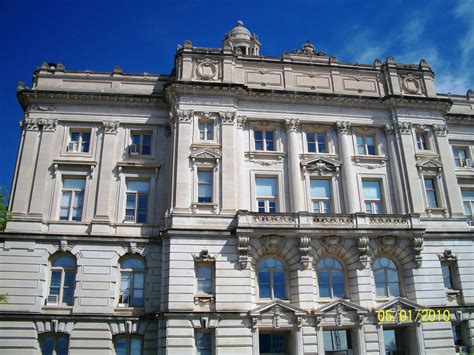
x: 304, y: 248
x: 388, y: 243
x: 243, y: 248
x: 111, y: 127
x: 332, y: 244
x: 273, y: 244
x: 343, y: 127
x: 363, y: 246
x: 404, y: 127
x: 206, y: 69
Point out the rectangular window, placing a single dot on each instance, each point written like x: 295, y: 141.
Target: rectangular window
x: 321, y: 195
x: 266, y: 193
x: 264, y: 140
x: 204, y: 278
x: 337, y: 342
x: 54, y: 343
x: 395, y: 341
x: 205, y: 180
x: 72, y: 199
x: 422, y: 141
x: 447, y: 275
x: 468, y: 201
x: 460, y: 157
x: 204, y: 342
x: 372, y: 196
x: 316, y: 142
x: 141, y: 144
x: 206, y: 130
x: 79, y: 141
x: 274, y: 343
x: 366, y: 145
x: 136, y: 209
x: 431, y: 193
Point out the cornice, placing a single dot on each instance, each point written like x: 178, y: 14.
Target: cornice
x: 459, y: 118
x: 27, y: 97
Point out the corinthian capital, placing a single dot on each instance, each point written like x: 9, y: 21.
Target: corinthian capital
x: 292, y: 124
x: 343, y: 127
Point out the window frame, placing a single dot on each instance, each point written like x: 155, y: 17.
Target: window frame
x: 129, y: 338
x: 136, y: 195
x: 387, y: 282
x: 73, y: 192
x: 267, y: 199
x: 319, y: 200
x: 315, y: 135
x: 80, y: 131
x: 435, y: 190
x: 55, y: 336
x: 470, y: 217
x: 132, y: 272
x: 462, y: 161
x: 453, y: 275
x: 141, y: 134
x: 204, y: 331
x: 365, y: 145
x: 331, y: 290
x: 198, y: 183
x: 63, y: 270
x: 265, y: 139
x: 282, y: 331
x: 373, y: 202
x: 271, y: 270
x: 205, y: 123
x: 211, y: 266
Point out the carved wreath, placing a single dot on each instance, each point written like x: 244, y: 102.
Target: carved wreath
x: 411, y: 84
x: 206, y: 69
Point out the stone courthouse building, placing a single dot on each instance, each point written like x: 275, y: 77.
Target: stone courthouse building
x: 242, y: 204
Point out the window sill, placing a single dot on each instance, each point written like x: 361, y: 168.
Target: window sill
x: 437, y: 212
x: 204, y: 298
x: 269, y: 154
x: 209, y: 207
x: 126, y: 310
x: 55, y: 309
x: 267, y: 300
x: 81, y: 223
x: 370, y: 159
x: 207, y: 144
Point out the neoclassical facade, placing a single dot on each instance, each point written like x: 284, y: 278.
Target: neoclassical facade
x: 243, y: 204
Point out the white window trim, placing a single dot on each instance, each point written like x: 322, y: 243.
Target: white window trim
x: 119, y: 280
x: 60, y: 302
x: 67, y: 138
x: 329, y: 140
x: 214, y: 168
x: 440, y: 194
x: 467, y: 149
x: 211, y: 265
x: 386, y: 198
x: 200, y: 116
x: 335, y: 202
x: 430, y: 143
x: 122, y: 197
x: 277, y: 143
x: 369, y: 133
x: 280, y: 199
x: 56, y: 194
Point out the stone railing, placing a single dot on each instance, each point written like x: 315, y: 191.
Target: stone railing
x: 313, y: 220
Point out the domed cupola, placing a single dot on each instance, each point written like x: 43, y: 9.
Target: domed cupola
x: 241, y: 41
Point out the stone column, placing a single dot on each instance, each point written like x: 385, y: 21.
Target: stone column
x: 299, y: 335
x: 349, y: 180
x: 229, y: 166
x: 294, y: 171
x: 243, y: 184
x: 26, y: 162
x: 381, y: 339
x: 320, y: 334
x: 415, y: 192
x: 105, y: 177
x: 181, y: 170
x: 395, y: 170
x: 37, y: 200
x: 420, y: 343
x: 255, y: 342
x: 454, y: 199
x: 361, y: 335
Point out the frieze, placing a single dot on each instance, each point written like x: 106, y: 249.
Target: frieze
x: 273, y: 219
x: 242, y: 122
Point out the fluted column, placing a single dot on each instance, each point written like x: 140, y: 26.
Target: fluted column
x: 351, y: 197
x: 452, y: 189
x: 395, y: 170
x: 294, y: 171
x: 107, y: 161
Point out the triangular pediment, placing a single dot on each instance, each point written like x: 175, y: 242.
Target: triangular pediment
x: 399, y: 302
x: 346, y: 305
x: 205, y: 153
x: 429, y: 164
x: 321, y: 164
x: 283, y: 306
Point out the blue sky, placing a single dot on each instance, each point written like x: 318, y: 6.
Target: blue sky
x: 141, y: 36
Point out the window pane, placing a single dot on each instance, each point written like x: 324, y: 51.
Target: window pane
x: 394, y: 289
x: 133, y: 263
x: 321, y: 143
x: 338, y: 290
x: 381, y: 290
x: 77, y: 184
x: 320, y: 188
x: 264, y: 291
x: 371, y: 189
x: 279, y: 277
x: 121, y: 346
x: 467, y: 195
x: 55, y: 282
x: 203, y: 342
x: 138, y: 280
x: 432, y: 201
x: 62, y: 345
x: 264, y: 277
x: 266, y: 187
x: 389, y: 339
x: 137, y: 298
x: 47, y: 345
x: 64, y: 261
x: 271, y: 206
x: 279, y: 291
x: 261, y: 206
x: 135, y: 346
x: 447, y: 276
x: 138, y: 185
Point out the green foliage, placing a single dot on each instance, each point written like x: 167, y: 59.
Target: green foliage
x: 3, y: 298
x: 4, y: 214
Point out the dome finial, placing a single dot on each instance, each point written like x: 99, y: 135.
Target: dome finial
x: 240, y: 23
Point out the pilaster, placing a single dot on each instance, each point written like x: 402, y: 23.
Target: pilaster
x: 229, y: 170
x: 348, y: 176
x: 294, y: 173
x: 452, y: 189
x: 395, y: 170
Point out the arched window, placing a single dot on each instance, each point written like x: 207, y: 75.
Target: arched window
x: 271, y: 278
x: 54, y: 343
x: 63, y: 279
x: 132, y: 282
x: 128, y: 345
x: 386, y: 278
x: 330, y: 278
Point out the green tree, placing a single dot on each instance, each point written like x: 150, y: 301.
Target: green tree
x: 4, y: 214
